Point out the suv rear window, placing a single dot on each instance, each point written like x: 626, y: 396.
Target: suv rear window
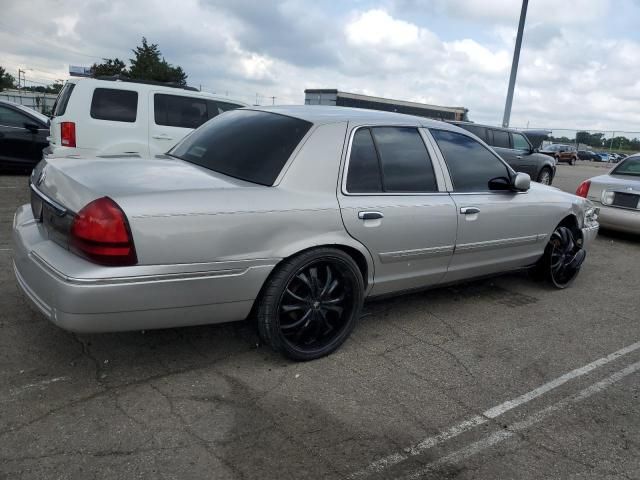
x: 60, y: 105
x: 114, y: 105
x: 244, y: 144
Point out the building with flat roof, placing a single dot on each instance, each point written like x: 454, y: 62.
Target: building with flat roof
x: 328, y: 96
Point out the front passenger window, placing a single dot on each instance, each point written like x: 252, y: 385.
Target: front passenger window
x: 470, y: 164
x: 520, y: 143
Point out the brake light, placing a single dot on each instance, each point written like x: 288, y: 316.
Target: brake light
x: 100, y: 232
x: 68, y: 134
x: 583, y: 189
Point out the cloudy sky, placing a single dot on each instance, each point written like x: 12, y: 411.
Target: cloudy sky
x: 579, y: 67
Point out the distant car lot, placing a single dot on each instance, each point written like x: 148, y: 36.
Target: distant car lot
x: 207, y: 402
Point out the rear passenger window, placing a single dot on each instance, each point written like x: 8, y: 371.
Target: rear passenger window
x: 216, y: 107
x: 470, y: 164
x: 406, y: 166
x: 114, y: 105
x: 501, y: 139
x: 364, y: 170
x: 179, y: 111
x: 389, y: 159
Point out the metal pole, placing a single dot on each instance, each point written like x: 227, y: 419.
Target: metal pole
x: 514, y: 65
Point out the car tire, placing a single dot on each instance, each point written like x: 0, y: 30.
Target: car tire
x: 324, y: 290
x: 572, y: 162
x: 545, y: 176
x: 562, y: 259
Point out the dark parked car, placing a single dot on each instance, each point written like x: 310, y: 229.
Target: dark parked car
x: 23, y: 135
x: 515, y: 149
x: 562, y: 153
x: 588, y: 155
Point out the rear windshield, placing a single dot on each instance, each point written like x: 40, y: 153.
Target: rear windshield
x: 60, y: 105
x: 629, y: 166
x: 245, y: 144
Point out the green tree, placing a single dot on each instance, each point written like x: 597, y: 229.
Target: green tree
x: 110, y: 67
x: 6, y: 80
x: 149, y: 64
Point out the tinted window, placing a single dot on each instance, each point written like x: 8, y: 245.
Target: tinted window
x: 629, y: 166
x: 470, y: 164
x: 519, y: 142
x: 115, y: 105
x: 179, y: 111
x: 476, y: 130
x: 500, y: 139
x: 216, y: 107
x: 11, y: 118
x: 245, y: 144
x: 364, y: 170
x: 60, y: 105
x: 406, y: 166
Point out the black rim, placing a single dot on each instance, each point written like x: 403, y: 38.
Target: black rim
x: 316, y: 305
x: 566, y: 256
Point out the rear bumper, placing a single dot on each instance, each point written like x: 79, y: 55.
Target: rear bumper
x: 620, y: 219
x: 79, y: 296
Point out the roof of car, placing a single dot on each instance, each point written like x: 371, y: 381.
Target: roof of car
x: 136, y: 85
x: 320, y: 114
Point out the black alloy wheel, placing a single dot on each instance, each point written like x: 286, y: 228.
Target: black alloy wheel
x: 563, y: 258
x: 311, y: 304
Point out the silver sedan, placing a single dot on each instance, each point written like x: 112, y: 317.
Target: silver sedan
x: 290, y: 215
x: 617, y: 194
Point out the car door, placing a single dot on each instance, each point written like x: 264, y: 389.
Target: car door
x: 497, y: 229
x: 172, y: 117
x: 394, y: 201
x: 521, y: 157
x: 17, y: 142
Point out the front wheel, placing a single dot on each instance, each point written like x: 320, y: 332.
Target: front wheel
x: 545, y: 176
x: 311, y: 303
x: 562, y: 258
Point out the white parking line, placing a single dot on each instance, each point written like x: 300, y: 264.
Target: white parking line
x: 42, y: 384
x: 511, y: 430
x: 430, y: 442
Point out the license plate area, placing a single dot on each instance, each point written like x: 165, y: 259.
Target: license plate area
x: 625, y: 200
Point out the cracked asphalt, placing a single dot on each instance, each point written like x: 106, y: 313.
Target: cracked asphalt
x: 209, y: 402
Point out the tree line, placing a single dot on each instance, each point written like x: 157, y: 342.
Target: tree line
x: 599, y: 141
x: 147, y: 64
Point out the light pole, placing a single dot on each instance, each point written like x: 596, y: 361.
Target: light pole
x: 514, y: 65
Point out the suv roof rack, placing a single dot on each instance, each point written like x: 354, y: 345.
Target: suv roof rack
x: 122, y: 78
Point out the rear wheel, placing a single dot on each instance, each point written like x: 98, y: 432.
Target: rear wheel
x: 572, y: 162
x: 562, y: 258
x: 311, y: 304
x: 545, y: 176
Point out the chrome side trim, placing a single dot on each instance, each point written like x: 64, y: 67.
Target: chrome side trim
x: 160, y: 277
x: 417, y: 254
x: 503, y: 242
x: 60, y: 209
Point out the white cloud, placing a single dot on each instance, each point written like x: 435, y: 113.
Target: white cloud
x: 378, y: 28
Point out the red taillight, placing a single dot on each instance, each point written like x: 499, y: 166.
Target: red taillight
x: 68, y: 134
x: 101, y: 233
x: 583, y: 189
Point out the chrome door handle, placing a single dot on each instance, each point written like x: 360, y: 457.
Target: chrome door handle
x: 469, y: 210
x: 162, y: 137
x: 518, y: 156
x: 370, y: 215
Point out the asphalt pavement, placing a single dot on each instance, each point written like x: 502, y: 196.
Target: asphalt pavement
x: 499, y: 378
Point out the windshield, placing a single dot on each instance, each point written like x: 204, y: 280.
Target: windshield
x: 43, y: 118
x: 629, y: 166
x: 245, y: 144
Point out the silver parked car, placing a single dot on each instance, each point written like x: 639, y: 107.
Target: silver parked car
x: 617, y: 194
x: 292, y: 214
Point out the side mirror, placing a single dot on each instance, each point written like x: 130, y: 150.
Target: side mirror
x: 521, y: 182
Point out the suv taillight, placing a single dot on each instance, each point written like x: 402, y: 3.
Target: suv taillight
x: 68, y: 134
x: 583, y: 189
x: 100, y: 232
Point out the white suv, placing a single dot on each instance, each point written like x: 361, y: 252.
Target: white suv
x: 110, y: 117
